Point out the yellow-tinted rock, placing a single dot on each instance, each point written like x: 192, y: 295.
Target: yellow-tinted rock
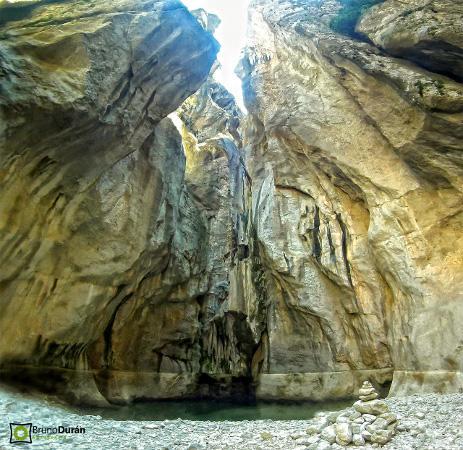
x: 93, y: 235
x: 355, y: 158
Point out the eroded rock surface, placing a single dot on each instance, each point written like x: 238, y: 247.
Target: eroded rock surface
x: 427, y: 32
x: 355, y: 153
x: 126, y: 239
x: 297, y: 251
x: 97, y: 229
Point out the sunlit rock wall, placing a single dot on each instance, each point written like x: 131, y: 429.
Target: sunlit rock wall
x: 102, y: 252
x: 290, y: 254
x: 355, y: 152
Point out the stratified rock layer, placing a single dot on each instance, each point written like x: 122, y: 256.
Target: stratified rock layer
x: 356, y: 162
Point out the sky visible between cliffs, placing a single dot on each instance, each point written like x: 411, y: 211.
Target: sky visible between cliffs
x: 231, y: 35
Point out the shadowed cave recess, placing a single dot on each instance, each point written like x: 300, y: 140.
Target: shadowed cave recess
x: 158, y: 242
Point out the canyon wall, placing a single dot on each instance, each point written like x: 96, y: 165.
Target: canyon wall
x: 155, y: 242
x: 97, y: 228
x: 125, y: 234
x: 355, y: 152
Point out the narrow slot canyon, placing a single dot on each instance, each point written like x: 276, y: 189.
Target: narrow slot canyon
x: 255, y: 204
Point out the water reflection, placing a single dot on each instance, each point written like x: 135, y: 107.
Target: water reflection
x: 215, y: 410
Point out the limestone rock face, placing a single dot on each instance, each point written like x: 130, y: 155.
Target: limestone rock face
x: 211, y: 112
x: 156, y: 243
x: 97, y: 229
x: 356, y: 159
x: 426, y: 32
x: 231, y: 314
x: 126, y: 234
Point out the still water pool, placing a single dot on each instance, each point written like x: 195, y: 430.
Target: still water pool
x: 215, y: 410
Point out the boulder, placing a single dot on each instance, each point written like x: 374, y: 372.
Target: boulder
x: 372, y: 407
x: 343, y: 433
x: 381, y: 437
x: 358, y: 440
x: 329, y: 434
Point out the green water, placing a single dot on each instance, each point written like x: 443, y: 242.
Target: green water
x: 215, y: 410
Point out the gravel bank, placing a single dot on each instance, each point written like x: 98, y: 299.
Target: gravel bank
x: 429, y: 422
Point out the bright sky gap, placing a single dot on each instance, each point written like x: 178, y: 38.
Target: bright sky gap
x: 231, y: 35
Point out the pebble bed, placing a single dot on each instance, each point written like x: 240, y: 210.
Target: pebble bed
x: 425, y: 422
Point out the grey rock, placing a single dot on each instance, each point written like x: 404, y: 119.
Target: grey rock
x: 372, y: 407
x: 366, y: 435
x: 369, y: 417
x: 293, y: 436
x: 343, y: 433
x: 369, y: 397
x: 332, y: 416
x: 367, y: 392
x: 309, y: 440
x: 342, y: 419
x: 323, y: 445
x: 358, y: 440
x: 318, y: 425
x: 380, y: 423
x: 389, y: 417
x: 329, y: 434
x: 381, y: 437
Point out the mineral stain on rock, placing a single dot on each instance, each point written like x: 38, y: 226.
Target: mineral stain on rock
x: 158, y: 243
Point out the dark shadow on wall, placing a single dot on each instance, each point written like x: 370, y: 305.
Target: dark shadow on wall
x: 234, y: 389
x: 383, y: 388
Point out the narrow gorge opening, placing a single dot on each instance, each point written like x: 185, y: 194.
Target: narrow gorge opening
x: 160, y: 243
x: 231, y: 35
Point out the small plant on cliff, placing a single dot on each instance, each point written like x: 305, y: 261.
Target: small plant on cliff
x: 420, y: 86
x: 440, y: 86
x: 349, y: 14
